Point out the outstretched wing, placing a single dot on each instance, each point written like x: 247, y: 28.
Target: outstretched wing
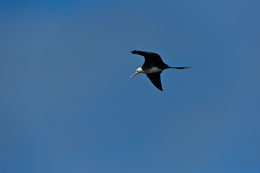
x: 150, y: 57
x: 155, y: 78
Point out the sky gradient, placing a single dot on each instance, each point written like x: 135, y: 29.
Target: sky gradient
x: 67, y: 103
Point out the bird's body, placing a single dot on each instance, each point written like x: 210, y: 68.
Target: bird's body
x: 150, y: 70
x: 153, y: 67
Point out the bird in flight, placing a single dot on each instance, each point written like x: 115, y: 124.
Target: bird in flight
x: 153, y: 67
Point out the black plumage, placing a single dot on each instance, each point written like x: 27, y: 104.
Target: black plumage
x: 153, y: 67
x: 151, y: 60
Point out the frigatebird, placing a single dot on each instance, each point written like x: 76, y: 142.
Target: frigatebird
x: 153, y: 67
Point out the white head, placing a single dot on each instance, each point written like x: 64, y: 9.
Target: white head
x: 138, y: 70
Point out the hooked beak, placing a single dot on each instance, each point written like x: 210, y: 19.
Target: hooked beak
x: 134, y: 74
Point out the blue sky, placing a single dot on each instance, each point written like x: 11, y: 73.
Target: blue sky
x: 67, y: 103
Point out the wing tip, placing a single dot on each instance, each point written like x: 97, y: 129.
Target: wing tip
x: 159, y: 88
x: 134, y: 51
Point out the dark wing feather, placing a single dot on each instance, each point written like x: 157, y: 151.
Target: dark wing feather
x: 155, y: 78
x: 150, y: 57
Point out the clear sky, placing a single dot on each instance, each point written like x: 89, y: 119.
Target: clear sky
x: 67, y: 103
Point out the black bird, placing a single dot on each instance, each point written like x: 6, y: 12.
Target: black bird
x: 153, y: 67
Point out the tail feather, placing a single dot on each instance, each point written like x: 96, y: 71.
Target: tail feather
x: 180, y: 67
